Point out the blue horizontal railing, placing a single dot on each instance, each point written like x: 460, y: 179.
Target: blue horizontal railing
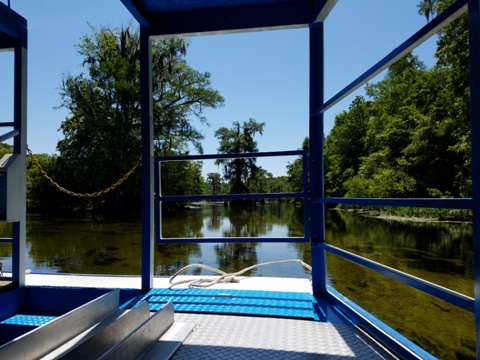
x: 431, y: 28
x: 398, y: 344
x: 230, y: 156
x: 159, y: 198
x: 462, y: 301
x: 9, y: 135
x: 232, y: 196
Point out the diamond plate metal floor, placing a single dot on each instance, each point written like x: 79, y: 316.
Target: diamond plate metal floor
x: 241, y: 337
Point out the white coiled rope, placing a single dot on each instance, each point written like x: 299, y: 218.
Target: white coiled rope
x: 224, y: 277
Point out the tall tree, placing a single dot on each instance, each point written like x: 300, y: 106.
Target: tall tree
x: 428, y: 8
x: 239, y: 140
x: 295, y: 170
x: 215, y: 182
x: 102, y: 132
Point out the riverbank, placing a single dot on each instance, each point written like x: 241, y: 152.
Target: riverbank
x: 414, y: 215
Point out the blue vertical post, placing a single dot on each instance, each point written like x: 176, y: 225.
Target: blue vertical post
x: 474, y: 64
x: 20, y: 147
x: 147, y: 158
x: 317, y: 213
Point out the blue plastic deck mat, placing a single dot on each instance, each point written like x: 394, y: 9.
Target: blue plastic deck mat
x: 243, y: 302
x: 28, y: 320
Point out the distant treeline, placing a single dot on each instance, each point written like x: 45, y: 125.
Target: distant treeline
x: 409, y: 136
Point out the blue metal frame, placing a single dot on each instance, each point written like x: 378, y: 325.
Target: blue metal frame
x: 464, y: 302
x: 147, y: 158
x: 159, y: 198
x: 13, y: 37
x: 474, y: 61
x: 220, y: 16
x: 169, y: 18
x: 316, y: 135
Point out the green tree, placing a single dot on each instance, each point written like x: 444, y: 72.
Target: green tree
x: 453, y: 112
x: 345, y: 146
x: 5, y: 149
x: 239, y: 172
x: 411, y: 135
x: 40, y: 191
x: 278, y: 184
x: 428, y: 8
x: 407, y: 130
x: 295, y: 170
x: 102, y: 132
x: 214, y: 180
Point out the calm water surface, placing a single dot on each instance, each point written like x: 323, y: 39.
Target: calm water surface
x: 438, y: 252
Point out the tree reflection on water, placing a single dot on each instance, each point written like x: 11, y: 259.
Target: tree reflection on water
x: 438, y: 252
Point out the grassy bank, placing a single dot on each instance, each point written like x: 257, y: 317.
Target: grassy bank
x: 412, y: 214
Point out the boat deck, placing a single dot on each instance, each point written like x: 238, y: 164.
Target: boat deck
x: 247, y: 337
x: 257, y: 318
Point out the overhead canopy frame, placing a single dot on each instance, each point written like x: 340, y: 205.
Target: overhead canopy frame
x: 202, y: 17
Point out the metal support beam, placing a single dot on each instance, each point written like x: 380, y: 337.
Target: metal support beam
x: 147, y: 158
x: 12, y: 24
x: 20, y: 147
x: 474, y: 61
x: 317, y: 208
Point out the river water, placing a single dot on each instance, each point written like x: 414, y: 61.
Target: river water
x: 438, y: 252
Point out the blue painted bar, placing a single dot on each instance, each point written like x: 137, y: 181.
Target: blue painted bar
x: 462, y: 301
x: 387, y: 336
x: 229, y: 156
x: 434, y: 26
x: 136, y: 13
x: 147, y: 158
x: 13, y: 25
x: 9, y: 135
x: 316, y: 135
x: 230, y: 196
x: 474, y: 61
x: 459, y: 203
x: 306, y: 200
x: 196, y: 240
x: 171, y: 18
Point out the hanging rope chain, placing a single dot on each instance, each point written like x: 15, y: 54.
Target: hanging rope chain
x: 80, y: 195
x: 224, y: 277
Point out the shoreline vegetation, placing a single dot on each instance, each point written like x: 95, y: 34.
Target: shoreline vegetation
x: 412, y: 214
x: 452, y: 216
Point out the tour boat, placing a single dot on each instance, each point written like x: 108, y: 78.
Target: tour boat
x: 50, y: 316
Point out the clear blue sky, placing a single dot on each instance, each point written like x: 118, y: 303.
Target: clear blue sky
x: 261, y: 75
